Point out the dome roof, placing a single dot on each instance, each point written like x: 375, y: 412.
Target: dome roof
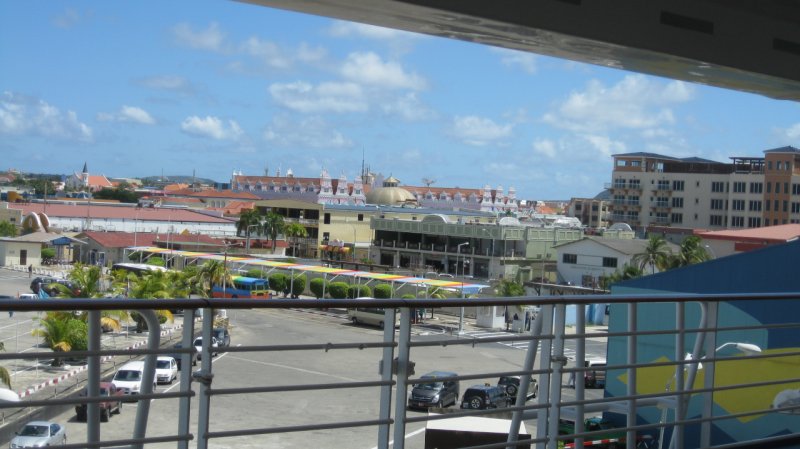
x: 390, y: 196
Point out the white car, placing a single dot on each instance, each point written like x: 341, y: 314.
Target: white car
x: 166, y: 369
x: 198, y: 344
x: 40, y: 434
x: 129, y: 378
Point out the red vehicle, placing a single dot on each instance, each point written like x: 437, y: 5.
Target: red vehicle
x: 112, y: 405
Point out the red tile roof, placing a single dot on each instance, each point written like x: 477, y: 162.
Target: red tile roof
x: 214, y: 194
x: 769, y: 234
x: 126, y: 239
x: 118, y: 212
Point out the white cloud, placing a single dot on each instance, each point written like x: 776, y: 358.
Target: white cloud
x: 636, y: 102
x: 325, y: 97
x: 348, y: 29
x: 793, y: 132
x: 128, y: 114
x: 67, y: 19
x: 212, y: 127
x: 605, y: 146
x: 22, y: 115
x: 514, y: 58
x: 267, y: 52
x: 408, y: 107
x: 369, y: 68
x: 166, y: 82
x: 545, y: 147
x: 479, y: 131
x: 311, y: 132
x: 212, y: 38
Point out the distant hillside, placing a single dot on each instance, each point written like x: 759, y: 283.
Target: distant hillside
x: 177, y: 180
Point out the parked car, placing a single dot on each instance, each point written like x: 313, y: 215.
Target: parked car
x: 595, y: 377
x: 485, y: 396
x: 435, y: 393
x: 166, y: 369
x: 112, y: 405
x: 40, y: 434
x: 198, y: 344
x: 511, y: 386
x: 129, y: 378
x: 179, y: 356
x: 222, y: 335
x: 49, y: 285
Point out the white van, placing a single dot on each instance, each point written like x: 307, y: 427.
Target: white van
x: 129, y: 378
x: 373, y: 316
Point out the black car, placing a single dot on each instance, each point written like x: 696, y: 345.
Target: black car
x: 178, y: 356
x: 222, y: 335
x: 49, y: 285
x: 435, y: 392
x: 511, y: 385
x: 485, y: 396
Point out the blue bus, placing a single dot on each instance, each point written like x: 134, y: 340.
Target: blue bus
x: 243, y: 287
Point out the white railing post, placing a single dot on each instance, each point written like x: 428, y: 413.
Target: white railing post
x: 403, y: 371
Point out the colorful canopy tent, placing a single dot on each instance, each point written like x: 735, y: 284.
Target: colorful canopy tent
x: 242, y: 262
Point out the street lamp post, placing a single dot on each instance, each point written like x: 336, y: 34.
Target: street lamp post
x: 247, y: 231
x: 458, y: 250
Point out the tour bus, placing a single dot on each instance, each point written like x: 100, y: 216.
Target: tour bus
x: 243, y: 287
x: 137, y: 268
x: 373, y: 316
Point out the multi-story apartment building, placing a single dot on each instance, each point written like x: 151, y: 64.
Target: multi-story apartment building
x: 652, y: 189
x: 592, y: 212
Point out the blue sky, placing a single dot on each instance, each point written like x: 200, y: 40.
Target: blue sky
x: 139, y: 89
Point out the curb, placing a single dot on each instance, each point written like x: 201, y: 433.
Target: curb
x: 54, y: 381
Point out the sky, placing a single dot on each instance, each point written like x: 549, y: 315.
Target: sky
x: 139, y: 89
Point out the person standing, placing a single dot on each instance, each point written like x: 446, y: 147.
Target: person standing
x: 30, y: 271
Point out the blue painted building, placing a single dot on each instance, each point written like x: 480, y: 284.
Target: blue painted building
x: 774, y: 269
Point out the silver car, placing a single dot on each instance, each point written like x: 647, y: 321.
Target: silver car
x: 40, y: 434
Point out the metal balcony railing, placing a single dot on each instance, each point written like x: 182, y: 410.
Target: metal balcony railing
x: 708, y: 392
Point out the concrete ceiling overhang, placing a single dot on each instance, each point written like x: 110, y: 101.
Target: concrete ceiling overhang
x: 746, y: 45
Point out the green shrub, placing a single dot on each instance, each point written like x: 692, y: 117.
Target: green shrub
x: 358, y: 291
x: 278, y: 282
x: 317, y: 287
x: 298, y: 286
x: 338, y: 290
x: 156, y: 261
x: 255, y: 273
x: 408, y: 296
x: 383, y: 291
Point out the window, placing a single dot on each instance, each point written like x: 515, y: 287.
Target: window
x: 786, y: 187
x: 777, y: 187
x: 776, y: 205
x: 663, y: 185
x: 785, y: 206
x: 360, y: 217
x: 755, y: 206
x: 739, y: 187
x: 677, y: 202
x: 326, y: 236
x: 570, y: 258
x: 737, y: 222
x: 636, y: 163
x: 756, y: 187
x: 769, y: 187
x: 621, y: 163
x: 779, y: 165
x: 578, y: 206
x: 610, y: 262
x: 619, y: 183
x: 796, y: 208
x: 737, y: 204
x: 754, y: 222
x: 676, y: 218
x: 795, y: 189
x: 718, y: 186
x: 327, y: 218
x: 677, y: 185
x: 715, y: 220
x: 766, y: 205
x: 718, y: 204
x: 634, y: 183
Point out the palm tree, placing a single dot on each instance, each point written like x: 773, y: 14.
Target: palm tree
x: 5, y: 377
x: 86, y: 284
x: 273, y: 225
x: 213, y: 272
x: 248, y: 218
x: 61, y: 332
x: 691, y: 252
x: 296, y: 231
x: 152, y: 285
x: 507, y: 288
x: 627, y: 272
x: 656, y: 254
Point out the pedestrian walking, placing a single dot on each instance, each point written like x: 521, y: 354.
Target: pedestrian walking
x: 30, y: 271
